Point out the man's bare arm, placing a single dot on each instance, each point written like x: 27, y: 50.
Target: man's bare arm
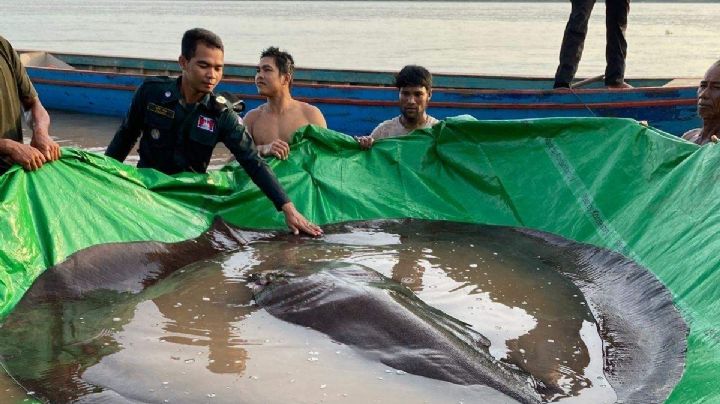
x: 40, y: 125
x: 315, y: 116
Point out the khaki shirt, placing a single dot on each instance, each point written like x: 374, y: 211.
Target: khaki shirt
x: 14, y: 86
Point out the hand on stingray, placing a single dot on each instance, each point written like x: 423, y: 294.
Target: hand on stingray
x: 298, y: 223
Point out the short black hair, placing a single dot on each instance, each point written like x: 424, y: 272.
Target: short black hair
x: 191, y: 38
x: 413, y: 75
x: 283, y: 60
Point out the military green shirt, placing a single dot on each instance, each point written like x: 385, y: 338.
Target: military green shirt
x: 15, y: 85
x: 175, y: 137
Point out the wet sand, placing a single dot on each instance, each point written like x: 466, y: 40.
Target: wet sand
x: 94, y: 133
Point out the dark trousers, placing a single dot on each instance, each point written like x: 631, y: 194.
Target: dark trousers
x: 574, y: 39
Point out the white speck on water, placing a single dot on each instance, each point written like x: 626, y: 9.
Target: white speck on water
x: 189, y: 360
x: 473, y: 265
x: 380, y: 378
x: 178, y: 304
x: 551, y: 340
x: 322, y: 386
x: 165, y: 383
x: 206, y: 299
x: 399, y: 372
x: 313, y: 359
x: 211, y: 395
x: 116, y: 319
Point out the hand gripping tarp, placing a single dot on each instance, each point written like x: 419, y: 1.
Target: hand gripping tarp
x: 608, y: 182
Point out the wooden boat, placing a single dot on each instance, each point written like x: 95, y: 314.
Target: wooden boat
x: 354, y: 101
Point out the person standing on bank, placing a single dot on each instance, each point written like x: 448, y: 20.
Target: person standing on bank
x: 616, y: 13
x: 414, y: 85
x: 17, y: 93
x: 180, y: 120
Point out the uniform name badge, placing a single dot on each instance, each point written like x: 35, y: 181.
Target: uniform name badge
x: 206, y: 123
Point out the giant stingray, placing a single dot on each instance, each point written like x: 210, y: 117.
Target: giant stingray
x: 357, y: 306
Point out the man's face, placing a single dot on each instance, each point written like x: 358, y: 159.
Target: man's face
x: 268, y: 79
x: 204, y: 70
x: 413, y: 102
x: 708, y: 104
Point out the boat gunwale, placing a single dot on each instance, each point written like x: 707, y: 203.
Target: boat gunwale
x: 434, y: 104
x: 451, y: 90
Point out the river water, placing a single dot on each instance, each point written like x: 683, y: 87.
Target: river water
x: 665, y: 39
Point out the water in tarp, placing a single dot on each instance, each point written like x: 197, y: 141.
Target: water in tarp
x: 198, y: 335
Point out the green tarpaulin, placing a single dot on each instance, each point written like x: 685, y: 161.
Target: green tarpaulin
x: 608, y: 182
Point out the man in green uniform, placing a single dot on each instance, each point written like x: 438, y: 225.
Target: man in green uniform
x: 179, y: 122
x: 17, y: 93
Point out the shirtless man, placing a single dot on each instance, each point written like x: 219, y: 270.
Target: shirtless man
x: 708, y: 107
x: 272, y: 124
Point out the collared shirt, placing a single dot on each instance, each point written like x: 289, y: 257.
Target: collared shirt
x: 393, y: 127
x: 15, y: 85
x: 175, y: 137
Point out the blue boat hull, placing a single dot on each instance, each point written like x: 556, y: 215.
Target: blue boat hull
x: 357, y: 109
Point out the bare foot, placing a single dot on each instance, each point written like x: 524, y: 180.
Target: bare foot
x: 620, y: 86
